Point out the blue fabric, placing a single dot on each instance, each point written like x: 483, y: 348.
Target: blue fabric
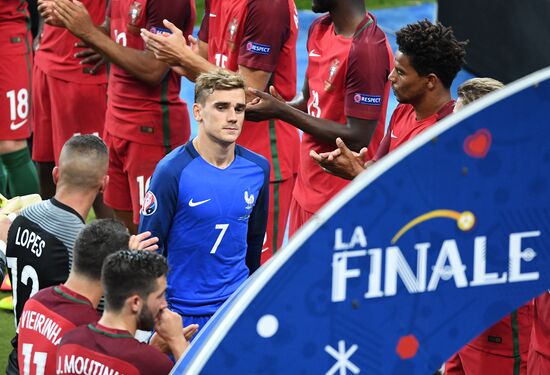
x: 210, y: 222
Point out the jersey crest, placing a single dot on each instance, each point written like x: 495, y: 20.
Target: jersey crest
x: 150, y: 204
x: 232, y: 33
x: 249, y: 199
x: 331, y: 74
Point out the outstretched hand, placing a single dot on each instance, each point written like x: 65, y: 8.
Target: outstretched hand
x: 264, y: 106
x: 341, y: 162
x: 143, y: 241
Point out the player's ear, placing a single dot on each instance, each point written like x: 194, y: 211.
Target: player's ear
x: 432, y: 81
x: 55, y: 175
x: 134, y: 303
x: 197, y: 112
x: 104, y: 183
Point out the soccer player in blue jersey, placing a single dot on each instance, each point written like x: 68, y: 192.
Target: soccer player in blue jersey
x: 207, y: 203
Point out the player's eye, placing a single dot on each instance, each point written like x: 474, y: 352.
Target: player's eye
x: 240, y: 109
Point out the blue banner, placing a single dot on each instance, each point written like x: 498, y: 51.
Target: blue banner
x: 420, y: 254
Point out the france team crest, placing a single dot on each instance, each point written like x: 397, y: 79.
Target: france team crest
x: 150, y: 204
x: 420, y: 254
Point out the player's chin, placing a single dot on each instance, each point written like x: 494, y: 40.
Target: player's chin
x: 231, y: 134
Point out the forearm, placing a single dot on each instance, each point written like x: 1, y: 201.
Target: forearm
x: 324, y: 130
x: 298, y: 102
x: 138, y: 63
x: 194, y: 65
x: 178, y: 347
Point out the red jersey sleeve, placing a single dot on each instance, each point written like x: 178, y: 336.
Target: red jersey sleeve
x: 260, y: 49
x: 203, y: 31
x: 181, y: 13
x: 367, y: 74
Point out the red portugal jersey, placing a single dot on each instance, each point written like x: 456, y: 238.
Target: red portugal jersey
x: 404, y: 126
x: 510, y: 336
x: 95, y: 349
x: 235, y: 31
x: 15, y: 37
x: 45, y: 319
x: 347, y: 77
x: 136, y: 111
x: 55, y: 55
x: 540, y: 338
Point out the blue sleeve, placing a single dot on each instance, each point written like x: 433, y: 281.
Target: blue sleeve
x: 159, y: 204
x: 257, y: 224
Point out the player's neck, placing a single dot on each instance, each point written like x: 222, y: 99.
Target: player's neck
x: 215, y: 153
x: 431, y: 105
x: 91, y: 289
x: 80, y: 201
x: 346, y: 17
x: 120, y: 321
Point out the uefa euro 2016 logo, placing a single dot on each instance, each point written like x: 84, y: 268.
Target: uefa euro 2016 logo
x: 149, y: 204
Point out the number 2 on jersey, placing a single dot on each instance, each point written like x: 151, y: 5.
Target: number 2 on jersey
x: 28, y: 272
x: 223, y: 228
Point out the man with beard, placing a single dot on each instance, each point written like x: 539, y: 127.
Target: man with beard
x: 426, y: 63
x: 134, y: 283
x: 344, y: 95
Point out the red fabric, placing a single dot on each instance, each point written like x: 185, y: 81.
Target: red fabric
x: 14, y: 20
x: 233, y: 29
x: 298, y: 217
x: 110, y: 351
x: 45, y: 319
x: 343, y: 74
x: 55, y: 55
x: 282, y: 205
x: 130, y: 168
x: 540, y: 339
x: 55, y: 119
x: 15, y: 98
x: 137, y: 111
x: 471, y: 361
x: 538, y: 364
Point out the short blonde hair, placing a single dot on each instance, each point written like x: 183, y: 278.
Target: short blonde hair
x: 208, y: 82
x: 475, y: 88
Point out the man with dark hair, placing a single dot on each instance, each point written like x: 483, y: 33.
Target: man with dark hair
x: 40, y: 240
x: 71, y: 304
x: 344, y: 95
x: 427, y: 61
x: 257, y: 39
x: 208, y: 202
x: 134, y: 283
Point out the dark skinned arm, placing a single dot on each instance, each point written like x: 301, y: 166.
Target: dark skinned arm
x: 141, y: 64
x: 356, y: 133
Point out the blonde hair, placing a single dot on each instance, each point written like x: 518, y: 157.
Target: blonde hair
x: 475, y: 88
x: 207, y: 83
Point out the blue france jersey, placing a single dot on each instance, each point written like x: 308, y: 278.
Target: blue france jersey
x: 210, y: 222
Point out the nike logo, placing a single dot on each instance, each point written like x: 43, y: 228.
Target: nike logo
x: 265, y: 249
x: 212, y: 15
x: 313, y: 54
x: 392, y: 135
x: 18, y: 125
x: 195, y: 204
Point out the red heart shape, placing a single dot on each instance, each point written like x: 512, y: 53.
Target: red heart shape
x: 478, y: 144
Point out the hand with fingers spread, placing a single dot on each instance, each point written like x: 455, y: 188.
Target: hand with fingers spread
x: 341, y: 162
x: 143, y: 241
x: 74, y: 16
x: 46, y: 10
x: 90, y: 56
x: 171, y: 49
x: 264, y: 106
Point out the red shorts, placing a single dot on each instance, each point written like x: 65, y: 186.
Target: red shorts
x: 280, y: 195
x: 470, y: 361
x: 61, y: 109
x: 537, y: 364
x: 130, y: 168
x: 15, y: 84
x: 298, y: 217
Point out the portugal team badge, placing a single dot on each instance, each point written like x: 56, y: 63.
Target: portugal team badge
x: 331, y: 74
x: 150, y: 204
x: 134, y: 17
x: 232, y: 33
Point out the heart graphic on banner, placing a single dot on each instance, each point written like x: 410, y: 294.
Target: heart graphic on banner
x: 478, y: 144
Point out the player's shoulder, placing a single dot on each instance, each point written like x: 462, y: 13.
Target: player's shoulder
x: 368, y: 32
x: 252, y: 157
x: 81, y: 334
x: 176, y: 160
x: 323, y: 21
x: 44, y: 295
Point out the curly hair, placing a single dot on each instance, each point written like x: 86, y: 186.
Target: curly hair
x: 432, y: 48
